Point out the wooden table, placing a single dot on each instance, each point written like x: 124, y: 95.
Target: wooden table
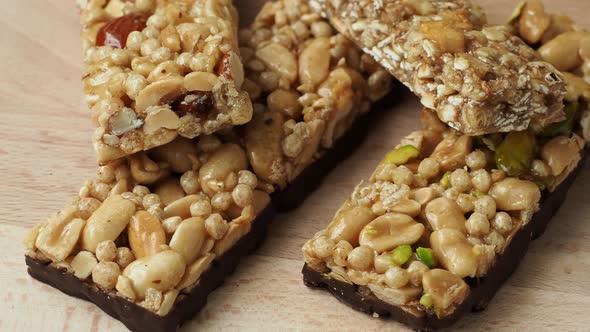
x: 45, y: 155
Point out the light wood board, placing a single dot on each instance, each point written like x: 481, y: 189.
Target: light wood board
x: 45, y: 154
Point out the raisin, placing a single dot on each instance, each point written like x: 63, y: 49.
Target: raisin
x: 115, y: 32
x: 198, y: 103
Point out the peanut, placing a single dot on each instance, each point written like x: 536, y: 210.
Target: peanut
x: 348, y: 223
x: 394, y: 296
x: 83, y: 263
x: 146, y: 171
x: 59, y: 236
x: 159, y: 93
x: 533, y: 22
x: 161, y: 271
x: 146, y: 234
x: 279, y: 59
x: 194, y: 271
x: 389, y: 231
x: 235, y: 232
x: 169, y: 191
x: 454, y: 252
x: 181, y: 207
x: 263, y: 137
x: 561, y: 153
x: 452, y: 151
x: 513, y: 194
x: 167, y: 302
x: 424, y: 195
x: 228, y: 158
x: 176, y: 154
x: 314, y: 62
x: 107, y: 222
x: 563, y: 50
x: 188, y: 238
x: 159, y: 118
x: 445, y: 213
x: 445, y: 288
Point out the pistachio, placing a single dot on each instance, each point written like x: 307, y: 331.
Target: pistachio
x: 454, y: 252
x: 389, y: 231
x: 445, y: 213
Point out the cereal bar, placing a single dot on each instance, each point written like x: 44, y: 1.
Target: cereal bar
x: 155, y: 70
x: 479, y: 79
x: 155, y: 232
x: 309, y: 85
x: 184, y: 213
x: 443, y: 220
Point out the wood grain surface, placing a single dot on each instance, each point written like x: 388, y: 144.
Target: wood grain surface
x: 45, y: 154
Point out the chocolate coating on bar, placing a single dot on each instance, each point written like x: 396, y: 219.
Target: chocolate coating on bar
x: 482, y: 289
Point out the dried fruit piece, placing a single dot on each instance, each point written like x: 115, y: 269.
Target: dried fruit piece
x: 115, y: 32
x: 198, y: 103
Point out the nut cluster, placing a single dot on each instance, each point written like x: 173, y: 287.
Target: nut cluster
x: 156, y: 69
x: 147, y: 227
x: 479, y: 80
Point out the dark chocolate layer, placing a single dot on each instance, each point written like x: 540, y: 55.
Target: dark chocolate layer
x: 482, y: 289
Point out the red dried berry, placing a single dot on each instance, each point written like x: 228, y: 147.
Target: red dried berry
x: 115, y: 32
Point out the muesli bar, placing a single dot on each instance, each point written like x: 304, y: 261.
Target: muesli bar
x: 442, y: 222
x: 155, y: 70
x: 480, y: 80
x: 184, y: 213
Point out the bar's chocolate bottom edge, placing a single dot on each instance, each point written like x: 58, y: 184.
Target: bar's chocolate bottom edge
x: 482, y: 290
x: 137, y: 318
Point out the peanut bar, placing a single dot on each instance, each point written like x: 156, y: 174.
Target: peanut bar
x: 443, y: 220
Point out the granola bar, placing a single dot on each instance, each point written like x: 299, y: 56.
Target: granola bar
x: 443, y: 220
x: 309, y: 84
x: 155, y: 70
x: 154, y: 233
x: 188, y: 210
x: 478, y: 79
